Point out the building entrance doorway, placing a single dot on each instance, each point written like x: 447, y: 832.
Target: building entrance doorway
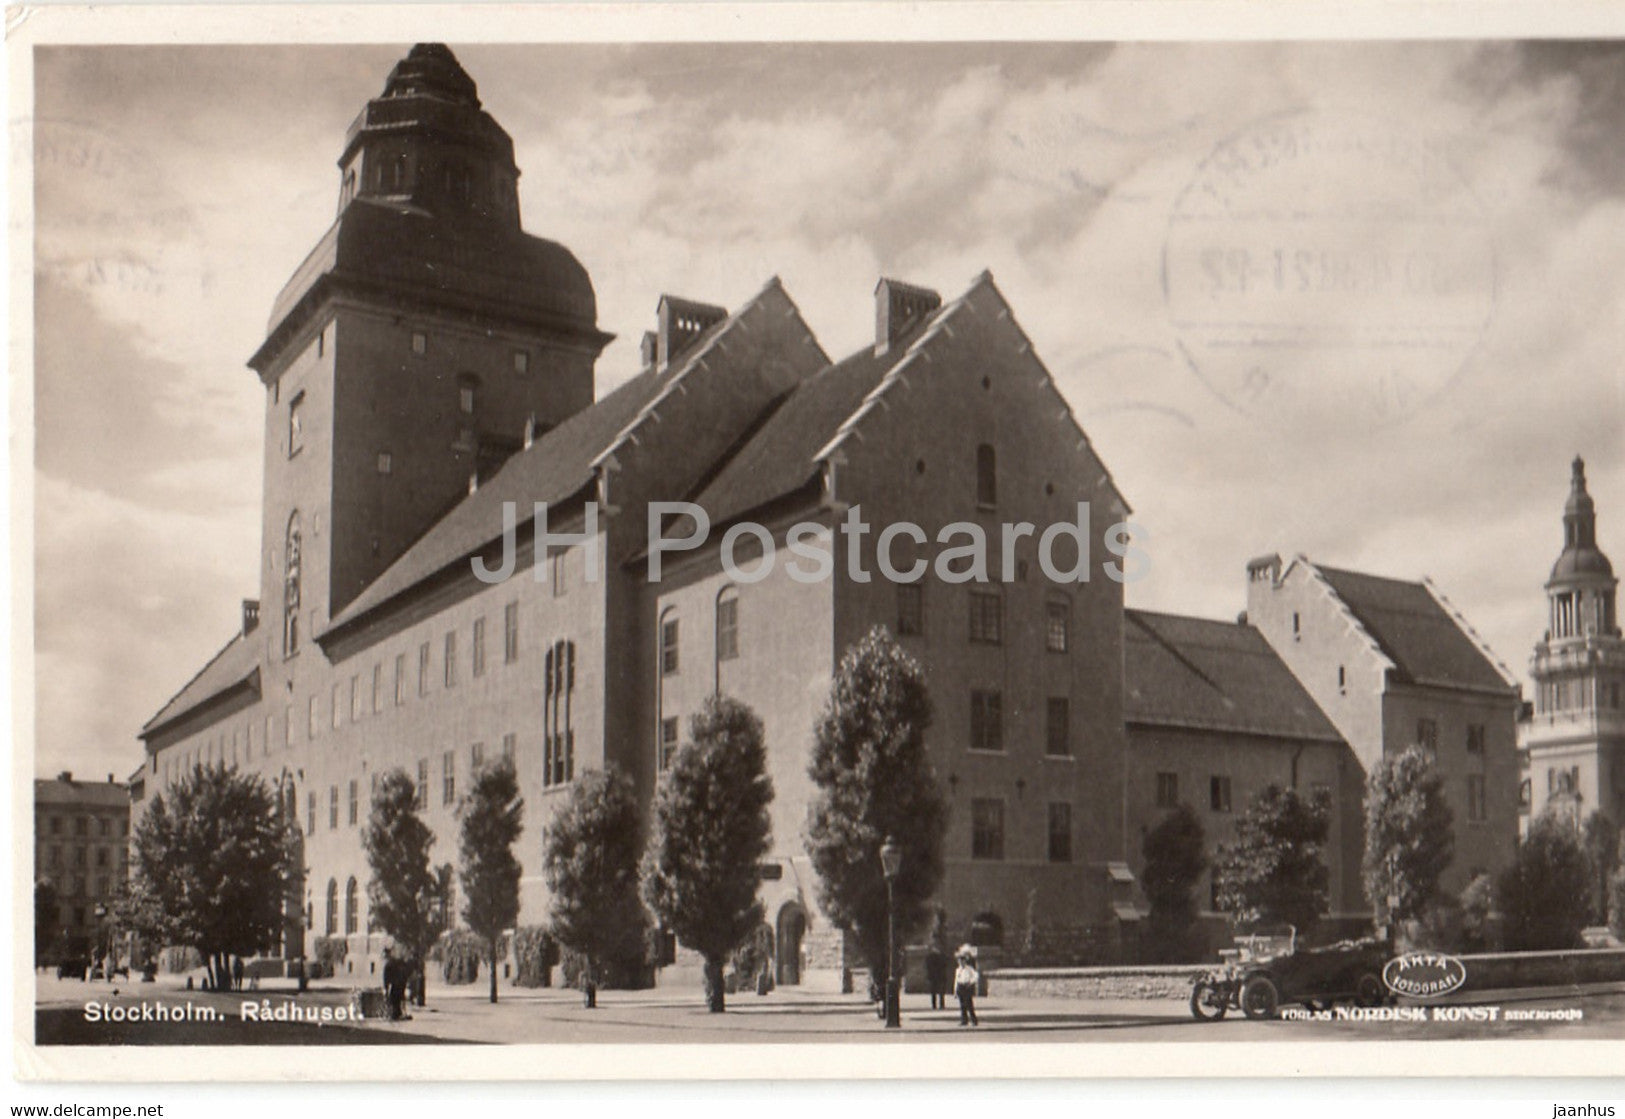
x: 792, y: 927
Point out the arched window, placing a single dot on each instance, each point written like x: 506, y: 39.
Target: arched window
x: 332, y: 923
x: 728, y: 624
x: 290, y: 588
x: 987, y: 483
x: 352, y: 907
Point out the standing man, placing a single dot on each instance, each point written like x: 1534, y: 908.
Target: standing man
x: 395, y: 985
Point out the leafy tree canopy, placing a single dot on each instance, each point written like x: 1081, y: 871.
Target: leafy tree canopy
x: 1545, y: 894
x: 1275, y: 873
x: 590, y: 859
x: 1175, y: 855
x: 405, y: 894
x: 492, y: 818
x: 1409, y: 839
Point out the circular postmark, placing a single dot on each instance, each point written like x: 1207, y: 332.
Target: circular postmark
x: 1328, y: 267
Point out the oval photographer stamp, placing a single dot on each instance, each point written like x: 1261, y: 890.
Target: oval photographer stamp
x: 1327, y: 267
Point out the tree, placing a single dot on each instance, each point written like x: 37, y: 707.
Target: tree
x: 136, y: 913
x: 711, y: 830
x: 1600, y: 838
x: 1274, y: 873
x: 47, y: 920
x: 590, y: 858
x: 874, y: 780
x: 1546, y: 893
x: 1408, y: 836
x: 492, y: 817
x: 1175, y: 857
x: 404, y: 895
x: 212, y: 853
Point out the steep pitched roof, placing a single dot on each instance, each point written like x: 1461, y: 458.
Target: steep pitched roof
x: 555, y: 466
x: 781, y: 454
x: 1210, y: 675
x: 87, y: 794
x: 236, y: 663
x: 1427, y: 642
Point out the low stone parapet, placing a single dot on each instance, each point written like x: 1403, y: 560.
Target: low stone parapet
x: 1095, y: 982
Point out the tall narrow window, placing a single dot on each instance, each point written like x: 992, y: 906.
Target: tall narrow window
x: 521, y: 361
x: 296, y: 424
x: 986, y: 618
x: 292, y: 566
x: 668, y: 743
x: 668, y: 645
x: 400, y: 679
x: 509, y: 743
x: 423, y: 669
x: 377, y: 687
x: 332, y: 807
x: 987, y: 829
x: 510, y: 633
x: 910, y: 609
x: 420, y: 343
x: 1219, y: 793
x: 987, y: 481
x: 1057, y: 625
x: 986, y: 722
x: 558, y: 694
x: 1058, y: 728
x: 448, y: 777
x: 423, y: 783
x: 352, y: 907
x: 728, y: 625
x: 1167, y: 790
x: 1475, y: 739
x: 451, y: 658
x: 332, y: 922
x: 1060, y: 832
x: 466, y: 386
x: 479, y: 647
x: 338, y: 706
x: 355, y: 698
x: 476, y: 757
x: 1477, y: 800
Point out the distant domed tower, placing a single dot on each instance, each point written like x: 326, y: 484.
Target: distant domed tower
x: 1574, y: 740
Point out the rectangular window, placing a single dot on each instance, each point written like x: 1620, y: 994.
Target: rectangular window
x: 910, y: 609
x: 1058, y: 728
x: 400, y: 679
x: 1219, y: 793
x: 1167, y: 790
x: 521, y: 361
x: 448, y: 777
x: 727, y: 629
x: 479, y: 647
x: 510, y: 633
x: 386, y: 462
x: 451, y: 658
x: 310, y: 815
x: 668, y: 743
x: 423, y: 783
x: 1427, y: 734
x: 986, y: 722
x: 355, y: 698
x: 312, y: 719
x: 423, y: 669
x: 986, y: 617
x: 287, y: 726
x: 987, y: 475
x: 296, y: 424
x: 420, y: 343
x: 509, y: 741
x: 555, y: 573
x: 332, y: 807
x: 338, y: 706
x: 987, y: 829
x: 377, y: 688
x: 1477, y: 804
x: 1475, y: 738
x: 668, y: 647
x: 1057, y: 625
x: 355, y: 803
x: 1060, y: 832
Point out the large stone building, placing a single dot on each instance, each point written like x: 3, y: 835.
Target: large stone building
x: 1573, y: 740
x: 81, y: 847
x: 429, y: 379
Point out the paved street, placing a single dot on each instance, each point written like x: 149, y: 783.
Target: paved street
x: 555, y: 1016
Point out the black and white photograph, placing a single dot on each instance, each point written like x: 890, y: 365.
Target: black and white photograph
x: 962, y: 546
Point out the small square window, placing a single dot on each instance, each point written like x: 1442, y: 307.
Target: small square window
x: 521, y: 361
x: 986, y: 618
x: 1057, y: 626
x: 1219, y: 794
x: 420, y: 343
x: 386, y: 462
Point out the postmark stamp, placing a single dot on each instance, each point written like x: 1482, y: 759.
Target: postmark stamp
x: 1328, y: 266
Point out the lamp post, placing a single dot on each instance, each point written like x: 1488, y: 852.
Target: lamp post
x: 891, y: 860
x: 102, y: 946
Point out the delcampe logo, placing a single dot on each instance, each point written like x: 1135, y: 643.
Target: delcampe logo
x: 1424, y: 975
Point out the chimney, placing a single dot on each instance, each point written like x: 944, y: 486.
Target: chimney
x: 251, y: 615
x: 681, y: 322
x: 66, y: 775
x: 649, y: 349
x: 1264, y: 567
x: 109, y: 778
x: 899, y: 306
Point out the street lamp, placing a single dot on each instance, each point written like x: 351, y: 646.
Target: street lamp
x: 891, y: 860
x: 102, y: 939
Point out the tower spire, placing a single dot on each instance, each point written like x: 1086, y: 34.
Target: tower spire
x: 1581, y: 560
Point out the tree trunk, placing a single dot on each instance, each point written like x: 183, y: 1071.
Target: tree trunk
x: 715, y: 994
x: 493, y: 969
x: 423, y: 980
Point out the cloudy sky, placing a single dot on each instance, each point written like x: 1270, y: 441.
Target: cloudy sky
x: 1104, y: 186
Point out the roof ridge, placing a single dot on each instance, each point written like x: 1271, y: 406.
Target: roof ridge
x: 195, y: 677
x: 1174, y: 652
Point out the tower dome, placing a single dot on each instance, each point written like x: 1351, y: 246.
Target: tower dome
x: 1581, y: 560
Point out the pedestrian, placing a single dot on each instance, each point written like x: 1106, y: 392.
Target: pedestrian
x: 237, y: 973
x: 395, y: 977
x: 936, y: 976
x: 966, y: 979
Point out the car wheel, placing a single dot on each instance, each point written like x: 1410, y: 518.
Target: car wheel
x: 1208, y: 1004
x: 1260, y: 998
x: 1368, y: 990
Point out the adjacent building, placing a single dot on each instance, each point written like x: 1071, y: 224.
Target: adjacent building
x: 81, y: 848
x: 1573, y: 740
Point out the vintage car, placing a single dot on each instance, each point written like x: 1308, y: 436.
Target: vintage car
x: 1264, y: 971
